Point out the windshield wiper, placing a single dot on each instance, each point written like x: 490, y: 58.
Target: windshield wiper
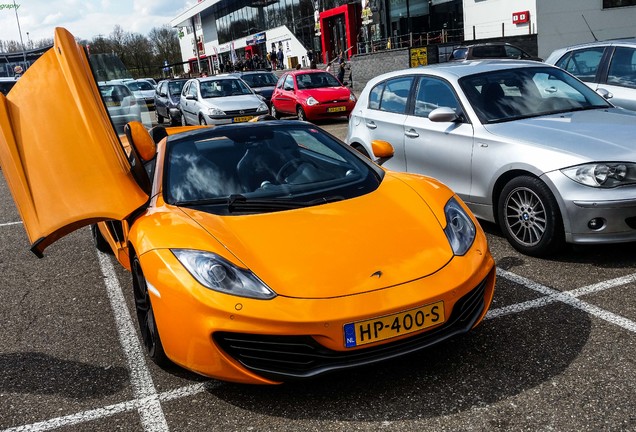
x: 238, y: 202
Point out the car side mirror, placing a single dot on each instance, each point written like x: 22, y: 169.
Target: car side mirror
x: 289, y: 88
x: 142, y: 150
x: 383, y: 150
x: 443, y: 115
x: 605, y: 93
x: 190, y: 97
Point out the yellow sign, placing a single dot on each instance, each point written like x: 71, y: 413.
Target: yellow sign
x: 419, y: 57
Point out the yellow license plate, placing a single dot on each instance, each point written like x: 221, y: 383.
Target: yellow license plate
x: 390, y: 326
x: 336, y: 109
x: 242, y: 119
x: 112, y: 103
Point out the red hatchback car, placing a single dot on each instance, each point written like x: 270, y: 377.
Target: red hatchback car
x: 311, y: 94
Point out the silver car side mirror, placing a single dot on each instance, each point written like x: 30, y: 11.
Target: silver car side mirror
x: 605, y: 93
x: 443, y: 115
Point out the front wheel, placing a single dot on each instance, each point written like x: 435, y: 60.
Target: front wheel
x: 202, y: 121
x: 275, y: 113
x: 160, y: 118
x: 99, y: 241
x: 301, y: 114
x: 146, y: 317
x: 184, y: 122
x: 530, y: 218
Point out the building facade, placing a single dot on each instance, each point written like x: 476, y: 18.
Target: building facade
x: 216, y: 34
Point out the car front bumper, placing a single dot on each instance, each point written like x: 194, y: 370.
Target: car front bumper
x: 329, y: 110
x: 595, y: 215
x: 234, y: 118
x: 207, y: 332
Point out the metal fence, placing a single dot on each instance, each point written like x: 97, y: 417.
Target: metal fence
x: 412, y: 40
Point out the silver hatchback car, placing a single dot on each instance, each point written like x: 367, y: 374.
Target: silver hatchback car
x: 524, y: 144
x: 220, y: 99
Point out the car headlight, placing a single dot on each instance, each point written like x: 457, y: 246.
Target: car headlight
x: 352, y: 97
x: 262, y: 107
x: 460, y: 229
x: 311, y: 101
x: 602, y: 175
x: 216, y: 112
x: 218, y: 274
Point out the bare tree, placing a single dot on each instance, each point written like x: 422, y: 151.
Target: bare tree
x: 165, y: 44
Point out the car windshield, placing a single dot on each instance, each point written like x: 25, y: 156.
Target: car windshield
x: 139, y: 85
x: 223, y: 87
x: 175, y: 87
x: 316, y: 80
x: 261, y: 167
x: 264, y: 79
x: 513, y: 94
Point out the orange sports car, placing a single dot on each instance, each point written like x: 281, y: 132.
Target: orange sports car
x: 261, y: 252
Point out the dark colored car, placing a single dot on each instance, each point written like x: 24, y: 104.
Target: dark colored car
x: 262, y: 82
x: 7, y: 83
x: 167, y: 95
x: 491, y: 50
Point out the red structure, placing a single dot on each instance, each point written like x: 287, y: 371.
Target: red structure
x: 339, y: 28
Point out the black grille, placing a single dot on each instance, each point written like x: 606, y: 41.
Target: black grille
x: 289, y: 357
x: 241, y: 112
x: 631, y: 222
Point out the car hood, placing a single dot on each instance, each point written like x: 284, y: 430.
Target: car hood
x: 233, y: 103
x: 325, y: 94
x: 144, y: 93
x: 335, y: 249
x: 593, y: 135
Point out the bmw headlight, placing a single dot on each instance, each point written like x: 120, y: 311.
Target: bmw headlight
x: 218, y: 274
x: 311, y: 101
x: 460, y: 229
x: 262, y: 107
x: 216, y: 112
x: 603, y: 175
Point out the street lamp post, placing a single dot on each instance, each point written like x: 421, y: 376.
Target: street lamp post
x: 15, y: 8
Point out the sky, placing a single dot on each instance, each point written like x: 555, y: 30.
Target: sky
x: 85, y: 18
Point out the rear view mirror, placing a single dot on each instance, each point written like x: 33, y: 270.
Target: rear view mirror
x: 190, y: 97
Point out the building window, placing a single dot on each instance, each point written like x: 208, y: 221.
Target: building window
x: 607, y: 4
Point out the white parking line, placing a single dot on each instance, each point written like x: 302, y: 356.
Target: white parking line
x: 152, y: 417
x: 567, y: 297
x: 147, y: 400
x: 9, y: 224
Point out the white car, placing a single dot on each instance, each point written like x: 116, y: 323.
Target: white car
x: 143, y: 91
x: 524, y: 144
x: 221, y: 99
x: 121, y: 103
x: 608, y: 66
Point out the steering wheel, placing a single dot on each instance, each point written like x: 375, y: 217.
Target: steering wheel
x: 289, y: 167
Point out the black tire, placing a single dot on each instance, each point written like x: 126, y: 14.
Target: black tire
x: 146, y: 317
x: 301, y: 113
x: 183, y: 120
x: 160, y: 118
x: 360, y: 148
x: 275, y: 113
x: 99, y: 241
x: 529, y: 217
x: 176, y: 121
x: 202, y: 121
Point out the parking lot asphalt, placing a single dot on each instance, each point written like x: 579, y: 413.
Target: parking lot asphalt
x: 556, y: 352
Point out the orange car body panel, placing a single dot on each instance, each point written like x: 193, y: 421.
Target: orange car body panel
x: 61, y: 185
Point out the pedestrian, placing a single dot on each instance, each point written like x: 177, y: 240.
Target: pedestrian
x: 280, y: 57
x: 273, y: 57
x: 341, y: 72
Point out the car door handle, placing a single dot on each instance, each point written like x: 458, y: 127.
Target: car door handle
x: 371, y: 125
x: 411, y: 133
